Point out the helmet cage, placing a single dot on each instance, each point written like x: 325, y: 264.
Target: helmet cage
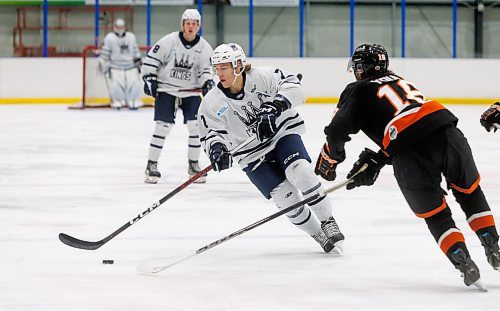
x: 368, y: 60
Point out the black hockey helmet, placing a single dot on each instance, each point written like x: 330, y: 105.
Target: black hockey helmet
x: 368, y: 60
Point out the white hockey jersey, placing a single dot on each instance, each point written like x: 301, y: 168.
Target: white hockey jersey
x: 231, y: 118
x: 180, y: 65
x: 120, y: 51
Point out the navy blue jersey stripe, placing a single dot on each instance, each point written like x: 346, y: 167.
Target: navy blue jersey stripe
x: 146, y: 64
x: 156, y: 59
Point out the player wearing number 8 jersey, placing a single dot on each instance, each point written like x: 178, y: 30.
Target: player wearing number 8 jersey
x: 420, y: 139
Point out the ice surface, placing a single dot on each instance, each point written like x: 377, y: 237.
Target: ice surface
x: 81, y: 172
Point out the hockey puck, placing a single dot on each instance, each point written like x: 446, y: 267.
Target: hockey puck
x: 108, y: 261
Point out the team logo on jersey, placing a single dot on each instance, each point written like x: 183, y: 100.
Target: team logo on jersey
x: 393, y: 132
x: 250, y: 117
x: 124, y: 48
x: 182, y: 68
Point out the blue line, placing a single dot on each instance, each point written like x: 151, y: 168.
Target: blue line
x: 45, y: 30
x: 148, y: 24
x: 250, y: 29
x: 403, y: 27
x: 96, y: 24
x: 200, y: 9
x: 352, y: 5
x: 454, y: 43
x: 301, y: 28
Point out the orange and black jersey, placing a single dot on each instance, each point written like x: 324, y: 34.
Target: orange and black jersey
x: 389, y: 110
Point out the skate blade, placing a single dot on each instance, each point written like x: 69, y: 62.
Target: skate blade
x: 200, y: 180
x: 151, y: 180
x: 479, y: 284
x: 337, y: 248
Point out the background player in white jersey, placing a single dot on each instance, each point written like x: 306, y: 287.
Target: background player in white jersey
x: 260, y: 101
x: 175, y: 70
x: 120, y: 61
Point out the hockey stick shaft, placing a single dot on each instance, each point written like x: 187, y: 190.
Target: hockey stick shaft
x: 260, y: 222
x: 92, y: 245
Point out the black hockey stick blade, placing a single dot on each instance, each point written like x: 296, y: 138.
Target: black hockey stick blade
x: 77, y: 243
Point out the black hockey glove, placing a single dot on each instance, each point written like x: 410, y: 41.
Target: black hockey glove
x: 266, y: 119
x: 325, y: 165
x: 207, y: 86
x: 150, y: 85
x: 375, y: 163
x: 490, y: 119
x: 220, y: 157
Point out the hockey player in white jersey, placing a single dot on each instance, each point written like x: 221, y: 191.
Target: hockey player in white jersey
x: 175, y: 70
x: 260, y: 101
x: 120, y: 61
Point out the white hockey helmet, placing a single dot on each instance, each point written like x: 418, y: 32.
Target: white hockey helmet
x: 190, y: 14
x: 119, y: 26
x: 229, y: 53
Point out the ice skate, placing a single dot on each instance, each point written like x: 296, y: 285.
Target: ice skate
x: 469, y: 270
x: 116, y: 104
x: 135, y: 104
x: 491, y: 249
x: 193, y: 169
x: 333, y: 233
x: 324, y: 241
x: 152, y: 173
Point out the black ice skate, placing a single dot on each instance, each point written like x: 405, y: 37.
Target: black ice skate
x: 152, y: 173
x: 193, y: 169
x: 324, y: 241
x: 468, y: 268
x: 333, y: 233
x: 491, y: 249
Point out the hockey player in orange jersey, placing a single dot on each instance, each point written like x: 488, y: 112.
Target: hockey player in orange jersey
x: 420, y: 139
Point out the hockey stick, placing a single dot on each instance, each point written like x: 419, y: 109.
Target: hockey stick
x: 89, y: 245
x: 198, y: 90
x: 151, y: 269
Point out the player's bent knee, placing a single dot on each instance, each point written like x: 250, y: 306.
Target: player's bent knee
x: 163, y: 128
x: 300, y: 174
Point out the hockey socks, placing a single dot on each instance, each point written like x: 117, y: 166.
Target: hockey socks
x: 161, y: 131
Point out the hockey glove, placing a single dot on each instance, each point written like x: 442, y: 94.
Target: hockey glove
x: 207, y: 86
x: 220, y: 157
x: 266, y: 119
x: 490, y: 119
x: 375, y: 163
x: 150, y: 85
x: 325, y: 165
x: 103, y: 67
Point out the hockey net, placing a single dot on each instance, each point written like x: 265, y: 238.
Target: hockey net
x: 95, y: 93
